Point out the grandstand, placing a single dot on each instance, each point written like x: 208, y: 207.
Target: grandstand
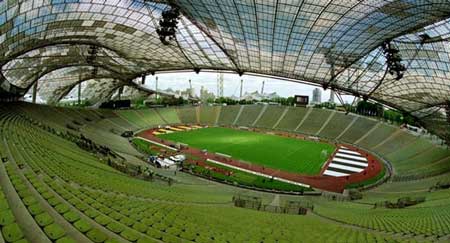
x: 82, y: 122
x: 77, y: 207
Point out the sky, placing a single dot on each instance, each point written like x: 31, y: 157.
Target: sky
x: 180, y: 81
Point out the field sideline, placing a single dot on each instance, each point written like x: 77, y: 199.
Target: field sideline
x: 272, y: 151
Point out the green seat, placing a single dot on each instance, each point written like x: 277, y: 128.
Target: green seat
x: 105, y: 210
x: 47, y: 195
x: 115, y: 227
x: 71, y: 216
x: 30, y: 200
x: 127, y: 221
x: 116, y: 216
x: 22, y: 241
x: 54, y: 202
x: 146, y: 240
x: 3, y: 205
x: 81, y: 206
x: 103, y: 220
x: 140, y: 227
x: 12, y: 233
x: 112, y: 240
x: 130, y: 235
x: 170, y: 239
x: 54, y: 231
x: 91, y: 213
x: 24, y: 193
x: 66, y: 240
x: 44, y: 219
x: 35, y: 209
x: 6, y: 217
x: 154, y: 233
x: 82, y: 225
x: 96, y: 236
x: 62, y: 208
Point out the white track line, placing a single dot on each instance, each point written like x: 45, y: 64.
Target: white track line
x: 259, y: 174
x: 350, y: 162
x: 334, y: 173
x: 346, y: 156
x: 348, y: 151
x: 346, y: 168
x: 159, y: 144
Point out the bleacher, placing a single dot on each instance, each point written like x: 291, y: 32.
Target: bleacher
x: 249, y: 115
x: 169, y: 115
x: 377, y: 136
x: 292, y: 119
x: 270, y: 116
x: 228, y: 114
x: 70, y: 195
x: 336, y: 125
x: 188, y: 115
x: 358, y: 129
x: 209, y: 114
x: 315, y: 120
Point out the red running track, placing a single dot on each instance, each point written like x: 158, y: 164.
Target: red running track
x: 328, y: 183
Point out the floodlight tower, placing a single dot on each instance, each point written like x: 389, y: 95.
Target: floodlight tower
x: 240, y: 94
x: 156, y: 87
x: 191, y: 95
x: 262, y: 87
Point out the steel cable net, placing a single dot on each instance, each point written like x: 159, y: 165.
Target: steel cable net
x: 328, y: 42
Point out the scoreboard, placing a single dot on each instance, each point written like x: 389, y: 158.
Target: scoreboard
x: 301, y: 100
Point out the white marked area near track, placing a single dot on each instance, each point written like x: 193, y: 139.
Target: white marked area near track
x: 346, y: 162
x: 156, y: 143
x: 352, y: 157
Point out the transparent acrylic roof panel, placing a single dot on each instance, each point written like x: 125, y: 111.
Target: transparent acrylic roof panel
x: 319, y: 41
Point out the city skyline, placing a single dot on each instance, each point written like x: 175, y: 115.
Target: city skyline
x: 284, y: 88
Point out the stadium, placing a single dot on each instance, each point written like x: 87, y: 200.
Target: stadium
x: 91, y: 153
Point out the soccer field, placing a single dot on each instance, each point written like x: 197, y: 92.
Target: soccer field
x: 287, y: 154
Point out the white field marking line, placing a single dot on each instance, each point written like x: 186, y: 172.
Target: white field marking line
x: 351, y: 157
x: 334, y: 173
x: 159, y: 144
x: 224, y: 155
x: 344, y: 167
x: 259, y: 174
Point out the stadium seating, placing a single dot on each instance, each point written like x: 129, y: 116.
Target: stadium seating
x: 270, y: 116
x: 228, y: 114
x: 209, y: 114
x: 188, y: 115
x: 169, y: 115
x: 65, y: 201
x: 377, y: 136
x: 314, y: 121
x: 338, y: 123
x: 359, y: 128
x: 249, y: 115
x: 133, y: 117
x: 292, y: 119
x: 60, y: 187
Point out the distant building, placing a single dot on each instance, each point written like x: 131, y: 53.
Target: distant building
x: 258, y: 97
x: 317, y: 96
x: 205, y: 94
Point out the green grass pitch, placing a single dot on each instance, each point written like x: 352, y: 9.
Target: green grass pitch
x: 272, y: 151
